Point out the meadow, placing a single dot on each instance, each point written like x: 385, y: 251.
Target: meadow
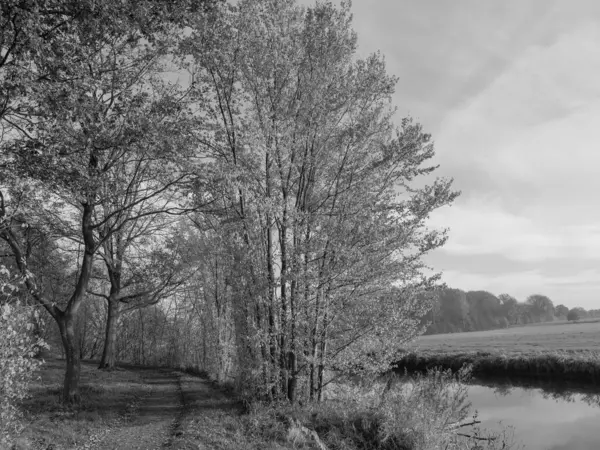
x: 541, y: 337
x: 557, y: 351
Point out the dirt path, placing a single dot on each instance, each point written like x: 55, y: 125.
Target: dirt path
x: 150, y: 418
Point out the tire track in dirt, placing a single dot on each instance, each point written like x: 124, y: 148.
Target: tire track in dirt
x: 151, y: 423
x: 177, y: 411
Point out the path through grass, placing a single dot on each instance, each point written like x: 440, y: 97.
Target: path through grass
x: 134, y: 408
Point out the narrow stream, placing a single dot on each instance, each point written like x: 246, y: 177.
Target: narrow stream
x: 543, y: 418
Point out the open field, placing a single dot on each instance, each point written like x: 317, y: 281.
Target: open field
x: 551, y: 336
x: 557, y: 351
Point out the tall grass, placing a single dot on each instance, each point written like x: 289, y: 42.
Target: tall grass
x: 421, y: 412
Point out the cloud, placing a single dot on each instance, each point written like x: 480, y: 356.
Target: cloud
x: 581, y: 289
x: 509, y: 90
x: 480, y: 226
x: 524, y: 152
x: 537, y: 122
x: 495, y: 250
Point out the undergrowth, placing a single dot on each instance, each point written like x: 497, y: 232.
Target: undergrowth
x: 18, y: 364
x: 421, y: 412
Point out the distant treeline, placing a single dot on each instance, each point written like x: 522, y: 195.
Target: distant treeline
x: 455, y: 310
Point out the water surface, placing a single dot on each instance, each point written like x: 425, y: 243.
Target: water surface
x: 543, y: 419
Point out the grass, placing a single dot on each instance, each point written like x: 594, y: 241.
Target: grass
x: 552, y: 336
x: 107, y: 397
x: 379, y: 415
x: 131, y: 400
x: 560, y: 351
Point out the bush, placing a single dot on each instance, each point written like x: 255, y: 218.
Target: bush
x: 421, y: 412
x: 417, y: 417
x: 18, y: 348
x: 573, y: 315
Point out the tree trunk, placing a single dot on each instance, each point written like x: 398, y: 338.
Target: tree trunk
x: 71, y: 382
x: 314, y: 344
x: 293, y: 359
x: 108, y: 360
x: 142, y: 348
x: 322, y: 356
x: 284, y: 343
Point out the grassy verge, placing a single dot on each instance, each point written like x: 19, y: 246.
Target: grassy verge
x: 108, y: 398
x: 583, y: 367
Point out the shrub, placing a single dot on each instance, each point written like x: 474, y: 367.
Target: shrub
x: 18, y: 348
x: 419, y: 416
x: 420, y: 412
x: 573, y: 315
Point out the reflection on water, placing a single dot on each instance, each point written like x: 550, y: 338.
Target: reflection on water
x: 552, y: 417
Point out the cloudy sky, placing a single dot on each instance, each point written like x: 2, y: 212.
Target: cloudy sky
x: 510, y: 90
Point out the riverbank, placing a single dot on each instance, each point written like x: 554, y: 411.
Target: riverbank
x: 581, y: 366
x: 135, y: 407
x: 419, y: 412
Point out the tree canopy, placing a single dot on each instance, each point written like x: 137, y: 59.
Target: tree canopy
x: 271, y: 200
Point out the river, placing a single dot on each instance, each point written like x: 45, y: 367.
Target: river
x: 544, y: 418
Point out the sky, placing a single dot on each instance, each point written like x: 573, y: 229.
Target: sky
x: 510, y: 91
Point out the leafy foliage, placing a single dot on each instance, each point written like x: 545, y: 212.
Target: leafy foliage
x: 313, y: 185
x: 454, y: 310
x: 310, y: 203
x: 18, y: 364
x: 573, y: 314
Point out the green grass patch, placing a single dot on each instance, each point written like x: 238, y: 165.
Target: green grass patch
x: 107, y: 398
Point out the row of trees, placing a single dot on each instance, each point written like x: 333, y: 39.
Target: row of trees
x: 194, y: 183
x: 454, y: 310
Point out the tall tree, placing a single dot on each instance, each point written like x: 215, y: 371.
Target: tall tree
x: 455, y: 309
x: 541, y: 307
x: 484, y: 309
x: 509, y: 307
x: 138, y: 203
x: 83, y: 100
x: 561, y: 311
x: 314, y: 183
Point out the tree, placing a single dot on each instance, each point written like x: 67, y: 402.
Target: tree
x: 84, y: 99
x: 525, y: 314
x: 484, y: 310
x: 509, y: 307
x: 573, y: 314
x: 141, y: 260
x: 579, y: 312
x: 541, y: 306
x: 313, y: 185
x: 453, y: 311
x: 561, y: 311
